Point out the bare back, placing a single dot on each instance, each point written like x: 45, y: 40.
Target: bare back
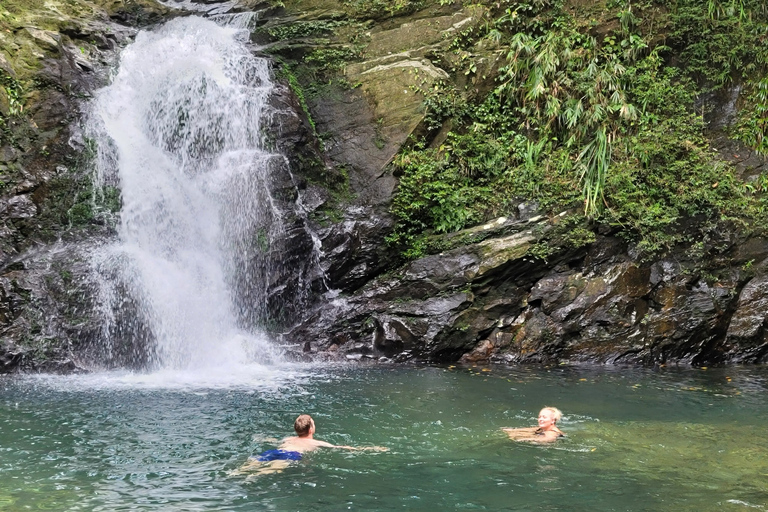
x: 304, y: 444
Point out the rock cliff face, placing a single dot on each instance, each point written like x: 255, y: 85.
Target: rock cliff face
x: 488, y: 298
x: 490, y: 301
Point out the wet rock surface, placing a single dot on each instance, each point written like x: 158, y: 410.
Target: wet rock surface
x: 490, y: 300
x: 58, y: 54
x: 481, y: 304
x: 487, y: 300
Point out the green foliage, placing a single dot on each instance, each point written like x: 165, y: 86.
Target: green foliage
x: 14, y: 92
x: 374, y: 9
x: 286, y: 72
x: 14, y: 100
x: 302, y: 29
x: 602, y: 120
x: 320, y: 72
x: 443, y: 102
x: 719, y: 40
x: 570, y: 232
x: 110, y: 199
x: 81, y: 213
x: 434, y: 195
x: 93, y: 204
x: 72, y: 200
x: 752, y: 124
x: 331, y: 59
x: 475, y: 175
x: 569, y: 87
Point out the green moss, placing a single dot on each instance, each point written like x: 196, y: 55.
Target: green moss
x: 337, y: 183
x: 286, y: 72
x: 110, y: 200
x: 375, y: 9
x: 71, y: 201
x: 320, y: 70
x: 568, y: 233
x: 80, y: 214
x: 262, y: 240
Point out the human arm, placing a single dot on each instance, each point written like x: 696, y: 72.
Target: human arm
x: 533, y: 434
x: 520, y: 434
x: 362, y: 448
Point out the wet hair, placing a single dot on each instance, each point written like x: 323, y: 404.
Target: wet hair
x: 556, y: 414
x: 302, y: 425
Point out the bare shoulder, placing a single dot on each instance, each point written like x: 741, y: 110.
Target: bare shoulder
x: 322, y: 444
x: 293, y: 444
x: 297, y: 444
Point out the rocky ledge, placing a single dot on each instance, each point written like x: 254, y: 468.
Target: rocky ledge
x: 491, y: 301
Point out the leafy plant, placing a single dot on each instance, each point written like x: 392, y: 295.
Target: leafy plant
x: 373, y: 9
x: 573, y: 88
x: 15, y: 94
x: 302, y: 29
x: 752, y: 125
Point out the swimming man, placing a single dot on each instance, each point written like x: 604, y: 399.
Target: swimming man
x: 293, y: 448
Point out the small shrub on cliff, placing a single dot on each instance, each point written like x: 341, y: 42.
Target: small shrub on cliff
x: 302, y: 29
x: 373, y: 9
x: 752, y: 124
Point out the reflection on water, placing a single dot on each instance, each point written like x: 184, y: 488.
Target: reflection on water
x: 638, y: 440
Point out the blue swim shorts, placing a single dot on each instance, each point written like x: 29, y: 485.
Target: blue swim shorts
x: 277, y: 455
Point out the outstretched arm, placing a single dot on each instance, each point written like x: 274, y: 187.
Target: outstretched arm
x: 364, y: 448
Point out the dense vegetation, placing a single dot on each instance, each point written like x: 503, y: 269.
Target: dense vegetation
x: 597, y: 112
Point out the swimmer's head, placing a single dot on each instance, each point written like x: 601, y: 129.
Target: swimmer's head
x: 548, y: 416
x: 304, y: 425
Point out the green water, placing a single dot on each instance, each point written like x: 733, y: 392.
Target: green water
x: 638, y: 440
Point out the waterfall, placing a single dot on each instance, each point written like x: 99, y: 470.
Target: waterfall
x: 180, y: 133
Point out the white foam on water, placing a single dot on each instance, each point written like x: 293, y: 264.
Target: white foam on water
x: 745, y: 504
x: 262, y: 379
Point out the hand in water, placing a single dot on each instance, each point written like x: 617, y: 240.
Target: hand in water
x: 374, y: 448
x: 366, y: 448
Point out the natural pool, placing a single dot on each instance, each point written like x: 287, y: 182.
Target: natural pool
x: 638, y: 440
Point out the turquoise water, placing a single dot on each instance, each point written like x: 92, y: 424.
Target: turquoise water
x: 638, y: 440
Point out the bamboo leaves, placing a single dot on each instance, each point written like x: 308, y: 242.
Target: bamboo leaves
x: 594, y: 161
x: 570, y: 88
x: 752, y: 126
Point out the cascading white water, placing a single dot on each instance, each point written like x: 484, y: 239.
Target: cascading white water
x: 179, y: 132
